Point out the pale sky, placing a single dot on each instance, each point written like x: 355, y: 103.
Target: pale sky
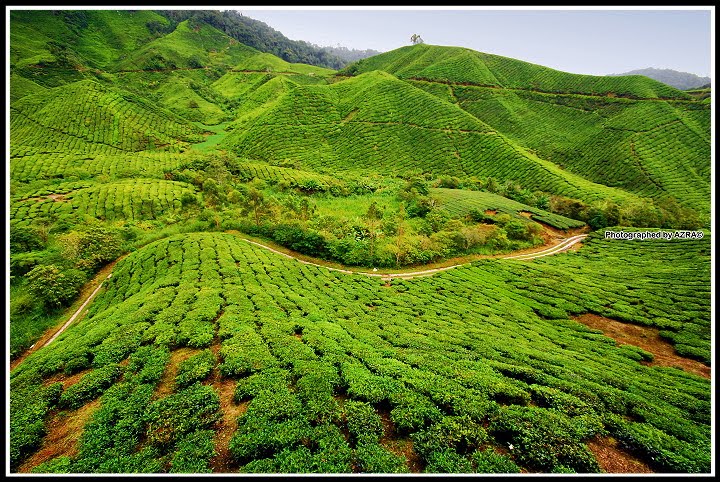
x: 594, y: 42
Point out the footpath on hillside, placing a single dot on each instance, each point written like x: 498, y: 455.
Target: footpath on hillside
x: 553, y: 245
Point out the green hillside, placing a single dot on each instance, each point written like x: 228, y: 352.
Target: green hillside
x: 467, y: 364
x: 651, y: 148
x: 460, y: 65
x: 190, y: 45
x: 87, y: 115
x: 375, y: 122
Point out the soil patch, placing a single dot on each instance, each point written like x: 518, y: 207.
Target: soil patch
x: 646, y: 338
x: 490, y: 212
x: 397, y: 445
x: 404, y: 448
x: 63, y: 434
x: 66, y: 380
x: 167, y: 382
x: 225, y: 428
x: 223, y: 462
x: 615, y: 460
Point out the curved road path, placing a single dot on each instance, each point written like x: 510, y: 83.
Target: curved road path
x: 564, y: 245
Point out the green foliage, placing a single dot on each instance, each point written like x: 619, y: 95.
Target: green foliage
x: 53, y: 286
x: 92, y: 246
x: 458, y: 347
x: 89, y: 387
x: 547, y: 439
x: 363, y: 423
x: 171, y: 418
x: 447, y: 461
x: 29, y: 406
x: 193, y: 453
x: 195, y: 369
x: 457, y: 434
x: 119, y: 120
x: 490, y: 462
x: 371, y: 457
x: 480, y: 205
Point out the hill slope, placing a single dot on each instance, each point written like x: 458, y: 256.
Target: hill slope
x: 461, y: 65
x: 86, y: 115
x: 212, y: 327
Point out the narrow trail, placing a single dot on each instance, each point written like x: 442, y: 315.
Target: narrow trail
x: 52, y: 333
x: 558, y: 246
x: 563, y: 245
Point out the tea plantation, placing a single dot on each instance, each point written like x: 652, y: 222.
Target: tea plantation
x: 337, y: 372
x: 159, y: 164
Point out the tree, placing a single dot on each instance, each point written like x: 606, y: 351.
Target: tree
x: 92, y: 246
x: 257, y: 205
x: 52, y: 286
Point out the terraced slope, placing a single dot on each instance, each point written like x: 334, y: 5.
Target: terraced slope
x: 375, y: 122
x: 461, y: 203
x: 653, y: 142
x: 32, y: 163
x: 131, y: 199
x: 190, y: 45
x: 460, y: 65
x: 305, y: 373
x: 652, y: 148
x: 49, y: 46
x: 87, y: 116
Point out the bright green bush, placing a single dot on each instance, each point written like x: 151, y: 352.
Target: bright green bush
x: 89, y: 387
x: 54, y: 286
x: 372, y: 458
x: 490, y: 462
x: 195, y: 369
x: 363, y: 423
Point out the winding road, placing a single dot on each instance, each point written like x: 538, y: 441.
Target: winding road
x: 563, y: 245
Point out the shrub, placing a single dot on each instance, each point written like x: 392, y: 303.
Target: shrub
x: 54, y: 286
x: 363, y: 422
x: 90, y: 386
x: 447, y: 461
x: 461, y: 434
x: 193, y: 453
x: 413, y: 411
x: 546, y: 438
x: 373, y: 458
x: 490, y: 462
x: 195, y: 369
x: 169, y: 418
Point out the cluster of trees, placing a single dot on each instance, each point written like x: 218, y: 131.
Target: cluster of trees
x: 666, y: 213
x: 54, y: 266
x: 259, y: 35
x: 415, y: 232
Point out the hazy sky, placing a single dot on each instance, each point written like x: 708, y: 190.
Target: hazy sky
x: 581, y: 41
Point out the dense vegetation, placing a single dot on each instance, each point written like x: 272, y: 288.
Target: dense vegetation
x: 471, y: 360
x: 259, y: 35
x: 162, y: 142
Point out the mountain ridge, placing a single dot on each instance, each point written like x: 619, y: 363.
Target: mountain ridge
x: 673, y: 78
